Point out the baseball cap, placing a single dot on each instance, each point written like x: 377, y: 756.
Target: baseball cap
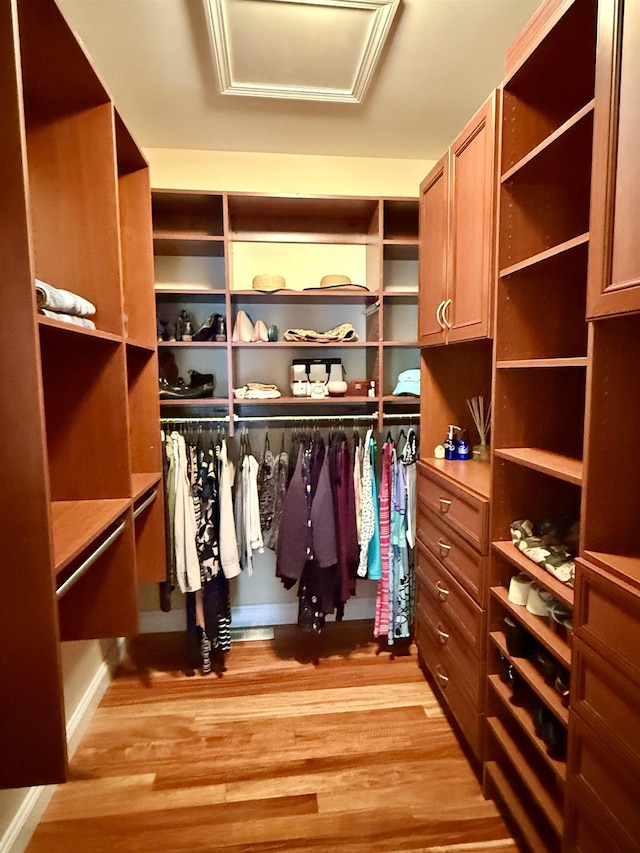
x: 408, y: 382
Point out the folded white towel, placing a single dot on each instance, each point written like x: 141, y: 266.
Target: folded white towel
x: 68, y: 318
x: 62, y: 301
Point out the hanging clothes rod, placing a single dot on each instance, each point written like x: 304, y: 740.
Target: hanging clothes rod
x: 288, y: 418
x: 145, y: 503
x: 83, y: 567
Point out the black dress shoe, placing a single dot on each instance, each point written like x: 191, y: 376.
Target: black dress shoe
x: 200, y: 380
x: 207, y: 329
x: 184, y: 392
x: 219, y: 328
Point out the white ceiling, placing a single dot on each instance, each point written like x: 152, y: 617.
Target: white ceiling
x: 442, y: 59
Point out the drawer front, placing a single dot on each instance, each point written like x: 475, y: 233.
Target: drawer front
x: 464, y: 562
x: 451, y: 686
x: 465, y: 512
x: 608, y: 703
x: 450, y: 599
x: 589, y: 830
x: 455, y: 653
x: 607, y: 618
x: 596, y: 775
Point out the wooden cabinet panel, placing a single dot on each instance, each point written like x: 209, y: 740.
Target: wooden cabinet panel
x: 589, y: 830
x: 449, y: 598
x: 607, y: 617
x: 471, y: 232
x: 457, y: 201
x: 614, y: 267
x: 454, y: 552
x: 462, y: 510
x: 434, y: 235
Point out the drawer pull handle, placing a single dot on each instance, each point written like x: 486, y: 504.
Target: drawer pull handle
x: 442, y: 635
x: 443, y: 545
x: 441, y: 675
x: 444, y: 504
x: 444, y: 592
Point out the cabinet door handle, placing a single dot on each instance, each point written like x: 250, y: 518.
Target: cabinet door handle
x: 444, y: 505
x: 444, y: 678
x: 442, y: 634
x: 439, y: 320
x: 444, y: 318
x: 444, y: 547
x: 444, y: 592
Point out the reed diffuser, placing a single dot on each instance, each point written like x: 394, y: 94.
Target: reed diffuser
x: 482, y: 420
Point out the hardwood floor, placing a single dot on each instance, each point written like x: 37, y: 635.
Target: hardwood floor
x: 303, y: 744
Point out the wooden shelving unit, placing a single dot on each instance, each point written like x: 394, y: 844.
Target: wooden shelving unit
x: 543, y: 355
x: 77, y: 189
x: 208, y: 248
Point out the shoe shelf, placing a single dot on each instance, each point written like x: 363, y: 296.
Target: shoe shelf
x: 302, y: 296
x: 77, y: 524
x: 499, y: 785
x: 309, y: 401
x: 525, y: 722
x: 352, y: 345
x: 195, y: 401
x: 535, y: 625
x: 194, y: 344
x: 517, y: 759
x: 523, y: 564
x: 140, y: 346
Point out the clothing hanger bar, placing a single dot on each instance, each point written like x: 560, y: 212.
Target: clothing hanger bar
x: 223, y: 419
x: 145, y: 503
x: 83, y: 567
x: 399, y: 417
x: 303, y: 418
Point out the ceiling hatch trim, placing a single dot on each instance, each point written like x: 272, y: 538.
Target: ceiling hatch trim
x: 317, y: 50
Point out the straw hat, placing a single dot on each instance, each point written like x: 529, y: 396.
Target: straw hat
x: 268, y: 282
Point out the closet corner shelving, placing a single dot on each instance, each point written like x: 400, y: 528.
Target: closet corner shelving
x: 543, y: 349
x: 78, y: 406
x: 210, y: 246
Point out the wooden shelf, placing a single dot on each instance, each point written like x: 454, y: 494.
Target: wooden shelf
x: 401, y: 400
x: 303, y: 344
x: 534, y: 679
x: 470, y: 474
x: 197, y: 401
x: 308, y: 401
x: 141, y: 346
x: 512, y: 802
x: 76, y: 524
x: 549, y: 142
x: 190, y: 292
x: 548, y: 254
x: 574, y: 361
x: 292, y: 296
x: 536, y: 625
x: 141, y: 483
x: 561, y: 591
x: 518, y: 761
x: 406, y: 344
x: 400, y: 294
x: 555, y: 464
x: 400, y: 241
x: 194, y: 344
x: 526, y: 723
x: 184, y: 245
x: 337, y: 238
x: 71, y: 329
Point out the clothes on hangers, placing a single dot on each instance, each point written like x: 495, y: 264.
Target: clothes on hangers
x: 228, y: 543
x: 381, y: 624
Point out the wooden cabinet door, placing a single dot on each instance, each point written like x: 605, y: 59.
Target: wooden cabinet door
x: 433, y: 254
x: 467, y: 313
x: 614, y: 263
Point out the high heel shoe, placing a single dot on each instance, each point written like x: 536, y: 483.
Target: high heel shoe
x: 243, y: 330
x: 207, y: 330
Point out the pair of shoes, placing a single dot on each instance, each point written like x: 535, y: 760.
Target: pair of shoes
x: 214, y: 328
x: 245, y: 332
x: 200, y: 385
x: 184, y: 327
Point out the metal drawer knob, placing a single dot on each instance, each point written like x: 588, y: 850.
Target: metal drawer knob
x: 444, y: 548
x: 442, y: 676
x: 442, y: 634
x: 443, y: 591
x: 444, y: 504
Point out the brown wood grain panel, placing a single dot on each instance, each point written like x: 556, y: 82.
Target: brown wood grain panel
x: 32, y: 737
x: 434, y: 237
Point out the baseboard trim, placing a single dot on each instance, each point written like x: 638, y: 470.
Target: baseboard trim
x: 250, y: 616
x: 36, y: 799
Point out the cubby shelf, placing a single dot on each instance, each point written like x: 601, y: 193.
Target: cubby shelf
x: 626, y: 567
x: 556, y: 251
x: 518, y: 761
x: 196, y: 401
x: 559, y: 135
x: 531, y: 363
x: 536, y: 627
x: 291, y: 296
x: 303, y: 345
x: 525, y: 721
x: 194, y: 344
x: 72, y: 329
x: 561, y: 591
x: 503, y: 788
x: 76, y: 524
x: 141, y: 483
x: 533, y: 678
x: 545, y: 461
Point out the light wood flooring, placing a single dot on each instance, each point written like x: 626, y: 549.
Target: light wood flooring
x: 303, y: 744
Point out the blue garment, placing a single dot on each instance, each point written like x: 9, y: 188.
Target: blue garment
x: 374, y: 556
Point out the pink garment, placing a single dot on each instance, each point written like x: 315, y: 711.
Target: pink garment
x: 381, y: 625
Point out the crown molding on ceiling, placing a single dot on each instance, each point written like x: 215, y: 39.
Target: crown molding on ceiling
x: 254, y: 39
